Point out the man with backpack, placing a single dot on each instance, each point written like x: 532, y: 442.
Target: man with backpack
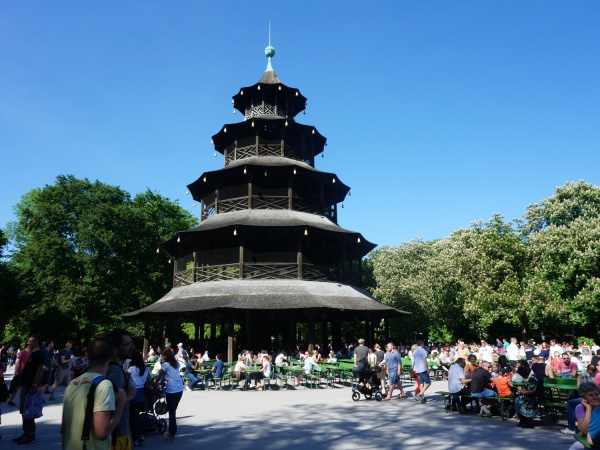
x: 98, y: 410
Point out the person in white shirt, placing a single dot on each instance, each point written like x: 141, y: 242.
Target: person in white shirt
x: 512, y: 351
x: 554, y: 347
x: 280, y: 359
x: 486, y: 352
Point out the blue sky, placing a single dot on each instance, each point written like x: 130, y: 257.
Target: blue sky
x: 437, y: 113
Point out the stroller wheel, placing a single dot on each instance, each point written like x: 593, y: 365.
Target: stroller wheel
x: 161, y: 426
x: 378, y: 396
x: 355, y: 396
x: 369, y: 396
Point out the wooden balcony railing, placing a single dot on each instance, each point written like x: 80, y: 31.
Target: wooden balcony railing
x: 265, y: 271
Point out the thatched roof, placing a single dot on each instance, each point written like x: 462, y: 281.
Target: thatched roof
x: 266, y: 295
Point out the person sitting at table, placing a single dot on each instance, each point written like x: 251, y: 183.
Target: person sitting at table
x: 480, y: 380
x: 280, y: 360
x: 567, y: 368
x: 332, y: 357
x: 190, y: 367
x: 217, y: 371
x: 526, y: 399
x: 458, y: 384
x: 265, y: 370
x: 590, y: 393
x: 309, y: 363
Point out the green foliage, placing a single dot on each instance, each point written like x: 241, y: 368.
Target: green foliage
x: 86, y: 253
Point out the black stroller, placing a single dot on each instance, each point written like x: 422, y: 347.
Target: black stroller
x: 150, y: 419
x: 368, y: 384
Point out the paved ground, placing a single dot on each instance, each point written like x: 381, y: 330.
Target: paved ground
x: 315, y: 419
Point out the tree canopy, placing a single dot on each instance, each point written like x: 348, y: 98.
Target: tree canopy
x: 536, y: 275
x: 85, y: 253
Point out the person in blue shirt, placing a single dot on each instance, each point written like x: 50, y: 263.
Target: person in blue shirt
x: 217, y: 371
x: 393, y: 360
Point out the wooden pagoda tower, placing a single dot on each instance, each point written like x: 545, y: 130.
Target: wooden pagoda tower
x: 268, y: 253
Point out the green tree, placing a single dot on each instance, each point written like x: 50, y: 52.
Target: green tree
x: 571, y: 201
x: 86, y: 253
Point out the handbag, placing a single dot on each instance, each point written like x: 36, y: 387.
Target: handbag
x: 32, y: 407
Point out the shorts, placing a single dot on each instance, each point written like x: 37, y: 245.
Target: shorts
x: 121, y: 443
x: 62, y: 376
x: 424, y: 378
x: 381, y: 374
x: 393, y: 377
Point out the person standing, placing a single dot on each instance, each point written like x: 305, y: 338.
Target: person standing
x: 170, y: 372
x: 48, y: 352
x: 393, y: 361
x: 361, y: 352
x: 122, y: 348
x: 421, y: 368
x: 63, y: 374
x: 105, y: 414
x: 138, y: 375
x: 512, y: 351
x: 29, y: 382
x: 380, y: 357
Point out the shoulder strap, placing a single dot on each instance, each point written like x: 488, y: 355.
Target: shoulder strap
x: 89, y: 410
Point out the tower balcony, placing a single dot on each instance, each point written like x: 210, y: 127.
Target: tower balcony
x: 268, y: 202
x: 266, y: 271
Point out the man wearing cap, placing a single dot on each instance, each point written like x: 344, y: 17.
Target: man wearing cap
x: 182, y: 355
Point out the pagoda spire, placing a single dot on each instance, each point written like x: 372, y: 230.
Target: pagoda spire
x: 269, y: 52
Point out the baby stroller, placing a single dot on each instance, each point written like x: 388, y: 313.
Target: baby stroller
x: 150, y: 419
x: 368, y: 384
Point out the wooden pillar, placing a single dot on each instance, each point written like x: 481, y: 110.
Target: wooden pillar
x: 145, y: 349
x: 241, y: 259
x: 257, y: 143
x: 299, y: 258
x: 290, y: 192
x: 336, y: 331
x: 202, y: 206
x: 324, y: 333
x: 248, y: 330
x: 196, y: 332
x: 217, y: 201
x: 368, y: 329
x: 213, y: 336
x: 311, y: 334
x: 249, y: 192
x: 194, y: 268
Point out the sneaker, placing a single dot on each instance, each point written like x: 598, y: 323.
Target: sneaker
x: 187, y: 388
x: 11, y: 404
x: 169, y: 437
x: 142, y: 438
x: 462, y: 410
x: 567, y: 431
x: 485, y: 411
x: 417, y: 397
x: 20, y: 437
x: 26, y: 440
x: 423, y: 399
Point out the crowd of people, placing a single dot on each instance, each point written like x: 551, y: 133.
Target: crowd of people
x: 117, y: 375
x: 517, y: 371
